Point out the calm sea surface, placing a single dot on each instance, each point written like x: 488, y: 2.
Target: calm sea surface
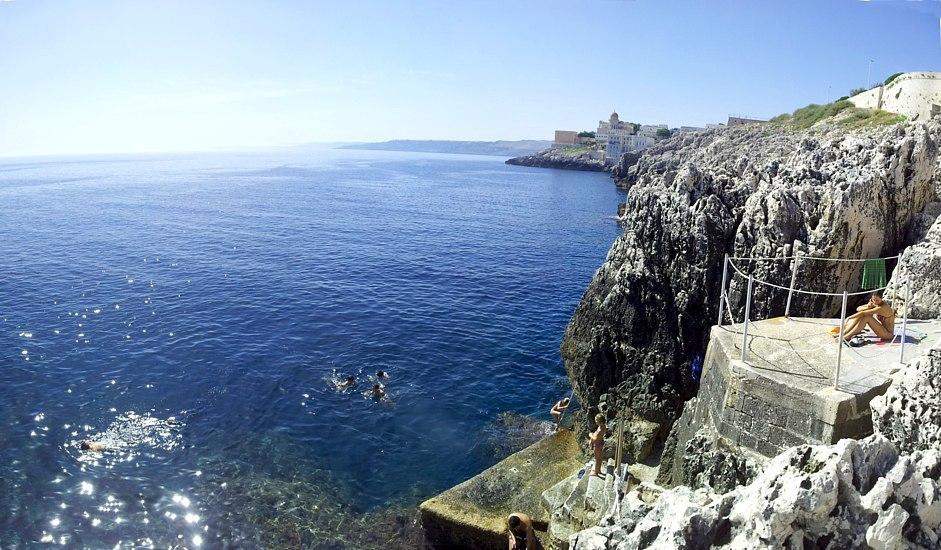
x: 191, y: 314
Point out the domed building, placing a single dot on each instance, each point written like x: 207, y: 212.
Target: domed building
x: 619, y: 137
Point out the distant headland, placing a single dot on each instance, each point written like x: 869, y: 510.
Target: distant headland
x: 500, y: 148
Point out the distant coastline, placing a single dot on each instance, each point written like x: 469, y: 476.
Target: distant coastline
x: 495, y: 148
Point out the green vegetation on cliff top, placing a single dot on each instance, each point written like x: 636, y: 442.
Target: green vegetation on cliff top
x: 843, y: 112
x: 891, y: 78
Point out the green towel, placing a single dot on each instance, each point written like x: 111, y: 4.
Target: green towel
x: 873, y: 274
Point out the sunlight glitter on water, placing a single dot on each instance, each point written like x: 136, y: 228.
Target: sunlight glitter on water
x: 278, y: 278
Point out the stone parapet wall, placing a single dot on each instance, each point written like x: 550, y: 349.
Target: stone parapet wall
x: 916, y: 95
x: 747, y: 407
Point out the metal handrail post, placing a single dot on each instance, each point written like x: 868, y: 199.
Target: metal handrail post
x: 751, y: 279
x: 839, y: 352
x: 908, y: 296
x: 725, y: 279
x: 618, y: 456
x: 790, y: 291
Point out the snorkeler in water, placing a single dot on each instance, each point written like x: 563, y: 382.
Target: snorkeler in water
x: 94, y: 446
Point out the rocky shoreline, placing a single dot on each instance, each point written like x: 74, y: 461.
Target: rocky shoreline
x: 763, y: 191
x: 645, y: 320
x: 749, y: 191
x: 571, y: 158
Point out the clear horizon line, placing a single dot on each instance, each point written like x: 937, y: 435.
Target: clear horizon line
x: 234, y: 148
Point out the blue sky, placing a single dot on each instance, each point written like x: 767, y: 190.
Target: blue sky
x: 125, y: 76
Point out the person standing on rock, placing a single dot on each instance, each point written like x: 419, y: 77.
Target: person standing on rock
x: 520, y: 533
x: 596, y: 441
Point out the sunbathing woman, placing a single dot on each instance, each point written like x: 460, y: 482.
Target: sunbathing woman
x: 875, y: 314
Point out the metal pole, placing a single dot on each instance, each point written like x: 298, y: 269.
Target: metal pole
x: 618, y: 455
x: 908, y: 296
x: 751, y: 279
x: 839, y: 351
x: 790, y: 290
x: 725, y: 278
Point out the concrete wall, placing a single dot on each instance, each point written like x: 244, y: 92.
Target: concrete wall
x: 870, y: 99
x: 915, y: 95
x: 755, y: 411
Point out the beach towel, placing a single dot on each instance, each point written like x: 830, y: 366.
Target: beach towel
x: 874, y: 274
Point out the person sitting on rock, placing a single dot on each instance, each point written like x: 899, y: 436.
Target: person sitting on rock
x: 596, y: 441
x: 557, y: 410
x: 875, y: 314
x: 520, y: 533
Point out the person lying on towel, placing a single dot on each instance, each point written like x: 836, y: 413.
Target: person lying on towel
x: 875, y: 314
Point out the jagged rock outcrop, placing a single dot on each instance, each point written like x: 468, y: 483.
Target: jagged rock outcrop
x: 909, y: 413
x: 696, y: 456
x: 749, y: 191
x: 848, y: 495
x: 920, y: 268
x: 565, y: 158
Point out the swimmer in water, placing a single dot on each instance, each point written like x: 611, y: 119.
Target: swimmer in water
x: 94, y: 446
x: 378, y: 391
x: 381, y: 374
x: 349, y: 381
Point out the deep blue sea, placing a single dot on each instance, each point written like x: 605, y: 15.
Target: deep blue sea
x: 191, y: 313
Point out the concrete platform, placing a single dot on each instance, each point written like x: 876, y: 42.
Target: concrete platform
x: 801, y: 353
x: 473, y: 514
x: 783, y: 395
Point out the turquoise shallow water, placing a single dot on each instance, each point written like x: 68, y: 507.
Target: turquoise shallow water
x: 191, y: 311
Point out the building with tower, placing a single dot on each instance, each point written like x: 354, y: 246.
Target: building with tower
x: 620, y: 137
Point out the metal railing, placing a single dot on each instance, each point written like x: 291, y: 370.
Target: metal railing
x: 725, y: 306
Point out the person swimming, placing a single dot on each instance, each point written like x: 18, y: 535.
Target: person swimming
x: 93, y: 446
x: 381, y: 374
x: 347, y: 382
x: 378, y: 391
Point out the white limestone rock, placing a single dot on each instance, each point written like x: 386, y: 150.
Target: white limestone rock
x: 848, y: 495
x: 916, y: 283
x: 909, y: 413
x: 886, y: 532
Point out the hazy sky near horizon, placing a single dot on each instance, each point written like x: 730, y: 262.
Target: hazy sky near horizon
x: 131, y: 76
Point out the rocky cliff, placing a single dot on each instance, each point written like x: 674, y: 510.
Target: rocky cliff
x: 880, y: 492
x: 747, y: 191
x: 566, y: 158
x: 916, y: 284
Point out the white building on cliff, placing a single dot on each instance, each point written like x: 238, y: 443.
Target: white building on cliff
x: 620, y: 137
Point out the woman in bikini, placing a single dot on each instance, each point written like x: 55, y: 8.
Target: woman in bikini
x: 875, y: 314
x: 596, y: 440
